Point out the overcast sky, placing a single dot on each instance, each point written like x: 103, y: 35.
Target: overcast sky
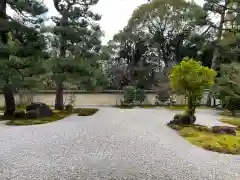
x: 115, y: 14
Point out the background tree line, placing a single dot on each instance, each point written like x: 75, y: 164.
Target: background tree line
x: 161, y: 33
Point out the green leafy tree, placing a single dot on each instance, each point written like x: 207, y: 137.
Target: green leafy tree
x: 168, y: 23
x: 190, y: 78
x: 131, y: 61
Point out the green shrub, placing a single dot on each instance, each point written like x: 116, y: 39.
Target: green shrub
x: 140, y: 96
x: 33, y: 114
x: 86, y: 111
x: 124, y: 105
x: 177, y: 116
x: 129, y: 94
x: 183, y: 119
x: 69, y: 108
x: 187, y: 119
x: 19, y: 114
x: 161, y: 98
x: 233, y: 104
x: 227, y: 87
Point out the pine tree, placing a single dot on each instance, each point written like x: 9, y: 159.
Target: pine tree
x: 78, y: 38
x: 28, y: 12
x: 222, y: 9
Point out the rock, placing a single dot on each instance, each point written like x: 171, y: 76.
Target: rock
x: 19, y: 114
x: 183, y: 119
x: 224, y: 130
x: 42, y: 108
x: 32, y: 114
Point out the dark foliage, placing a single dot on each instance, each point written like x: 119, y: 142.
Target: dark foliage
x: 69, y: 108
x: 32, y: 114
x: 19, y: 114
x: 183, y: 119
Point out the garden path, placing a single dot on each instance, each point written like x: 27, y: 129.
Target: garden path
x: 112, y: 144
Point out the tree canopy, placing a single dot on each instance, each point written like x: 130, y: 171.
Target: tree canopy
x: 190, y: 78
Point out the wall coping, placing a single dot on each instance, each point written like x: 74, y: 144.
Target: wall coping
x: 87, y: 92
x: 93, y: 92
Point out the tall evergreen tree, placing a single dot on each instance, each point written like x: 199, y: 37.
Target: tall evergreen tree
x: 221, y: 9
x: 29, y: 12
x: 78, y: 37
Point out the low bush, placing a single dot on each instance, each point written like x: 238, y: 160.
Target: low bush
x: 140, y: 96
x: 187, y: 119
x: 129, y: 94
x: 86, y: 111
x: 19, y: 114
x: 177, y: 116
x: 183, y: 119
x: 69, y: 108
x: 33, y: 114
x: 125, y: 106
x: 162, y: 97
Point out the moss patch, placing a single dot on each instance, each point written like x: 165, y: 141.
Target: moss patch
x: 41, y: 120
x: 177, y: 108
x: 2, y: 108
x: 149, y: 106
x: 227, y: 113
x: 58, y: 115
x: 203, y: 137
x: 86, y: 111
x: 183, y: 108
x: 233, y: 121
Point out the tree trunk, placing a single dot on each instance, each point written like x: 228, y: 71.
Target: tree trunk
x: 191, y: 104
x: 9, y: 101
x: 59, y: 105
x: 8, y: 93
x: 59, y: 96
x: 209, y: 99
x: 214, y: 102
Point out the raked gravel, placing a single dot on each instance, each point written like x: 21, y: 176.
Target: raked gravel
x: 114, y: 144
